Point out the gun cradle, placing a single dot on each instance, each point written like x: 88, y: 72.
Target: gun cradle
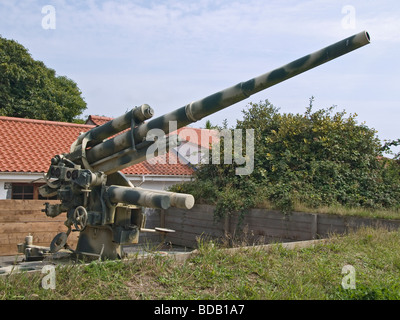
x: 106, y: 210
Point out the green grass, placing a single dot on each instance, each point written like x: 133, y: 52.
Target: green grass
x: 250, y: 273
x: 390, y: 213
x: 346, y: 211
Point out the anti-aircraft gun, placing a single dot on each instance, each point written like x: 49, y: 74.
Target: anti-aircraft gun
x: 101, y: 204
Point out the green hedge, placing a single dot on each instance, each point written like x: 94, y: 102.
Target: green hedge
x: 319, y: 158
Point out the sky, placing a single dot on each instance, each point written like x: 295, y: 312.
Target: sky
x: 169, y: 53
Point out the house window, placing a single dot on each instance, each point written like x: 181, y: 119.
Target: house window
x: 27, y: 191
x: 22, y: 191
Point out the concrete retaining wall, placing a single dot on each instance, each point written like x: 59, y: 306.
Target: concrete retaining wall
x: 20, y: 217
x: 258, y: 226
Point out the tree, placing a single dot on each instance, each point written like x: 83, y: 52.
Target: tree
x: 28, y: 89
x: 318, y: 158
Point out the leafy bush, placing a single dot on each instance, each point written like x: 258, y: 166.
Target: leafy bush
x: 319, y: 158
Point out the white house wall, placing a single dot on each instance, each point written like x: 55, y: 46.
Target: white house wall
x: 3, y: 191
x: 156, y: 182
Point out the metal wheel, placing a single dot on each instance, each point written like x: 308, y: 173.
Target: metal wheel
x: 80, y: 218
x: 58, y: 242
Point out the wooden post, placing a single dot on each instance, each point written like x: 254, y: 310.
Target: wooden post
x: 162, y: 224
x: 314, y: 226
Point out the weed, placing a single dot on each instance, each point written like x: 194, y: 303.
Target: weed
x: 245, y: 273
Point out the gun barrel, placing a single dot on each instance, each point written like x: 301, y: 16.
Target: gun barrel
x: 138, y: 115
x: 179, y: 200
x: 115, y: 126
x: 199, y: 109
x: 149, y: 198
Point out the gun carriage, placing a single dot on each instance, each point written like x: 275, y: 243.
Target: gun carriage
x: 101, y: 203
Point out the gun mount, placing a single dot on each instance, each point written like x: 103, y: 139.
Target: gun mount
x: 101, y: 204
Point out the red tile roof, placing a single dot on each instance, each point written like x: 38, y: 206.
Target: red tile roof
x: 202, y: 137
x: 97, y: 120
x: 167, y: 164
x: 28, y: 145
